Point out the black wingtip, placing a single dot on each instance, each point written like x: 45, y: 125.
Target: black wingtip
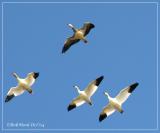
x: 8, y: 98
x: 36, y: 75
x: 71, y: 106
x: 132, y: 87
x: 63, y: 51
x: 98, y: 80
x: 102, y: 117
x: 92, y: 25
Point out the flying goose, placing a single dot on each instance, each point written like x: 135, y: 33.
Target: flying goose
x: 79, y: 34
x: 116, y: 103
x: 85, y: 96
x: 23, y: 84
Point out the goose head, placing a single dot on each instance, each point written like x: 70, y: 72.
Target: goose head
x: 15, y: 75
x: 77, y: 88
x: 70, y: 25
x: 108, y: 96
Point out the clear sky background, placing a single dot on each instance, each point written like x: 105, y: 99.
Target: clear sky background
x: 122, y: 47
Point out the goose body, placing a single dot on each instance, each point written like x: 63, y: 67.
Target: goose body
x: 23, y: 85
x: 85, y: 96
x: 79, y: 34
x: 115, y: 104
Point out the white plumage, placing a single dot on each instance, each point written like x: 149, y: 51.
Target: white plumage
x: 115, y: 104
x: 23, y: 85
x: 85, y: 96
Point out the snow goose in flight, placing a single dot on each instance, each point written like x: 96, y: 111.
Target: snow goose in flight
x: 85, y: 96
x: 79, y: 34
x: 23, y: 84
x: 116, y: 103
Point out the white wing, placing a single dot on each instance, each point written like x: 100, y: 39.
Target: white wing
x: 30, y: 79
x: 108, y: 110
x: 14, y: 91
x: 76, y: 102
x: 125, y: 93
x: 93, y: 86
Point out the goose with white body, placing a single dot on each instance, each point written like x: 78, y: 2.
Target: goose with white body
x: 23, y: 85
x: 115, y: 104
x: 85, y: 96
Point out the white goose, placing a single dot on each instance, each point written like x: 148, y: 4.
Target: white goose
x: 79, y: 34
x: 85, y: 96
x: 23, y: 85
x: 116, y: 103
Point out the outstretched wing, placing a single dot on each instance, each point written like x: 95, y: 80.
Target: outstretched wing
x: 14, y: 91
x: 93, y: 86
x: 125, y: 93
x: 108, y: 110
x: 31, y: 77
x: 75, y: 103
x: 68, y: 43
x: 87, y: 27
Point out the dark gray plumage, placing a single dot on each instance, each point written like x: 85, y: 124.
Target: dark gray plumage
x: 79, y: 34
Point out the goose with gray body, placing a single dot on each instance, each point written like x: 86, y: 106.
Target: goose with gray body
x: 79, y: 34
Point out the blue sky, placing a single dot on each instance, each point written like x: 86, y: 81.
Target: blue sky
x: 122, y: 47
